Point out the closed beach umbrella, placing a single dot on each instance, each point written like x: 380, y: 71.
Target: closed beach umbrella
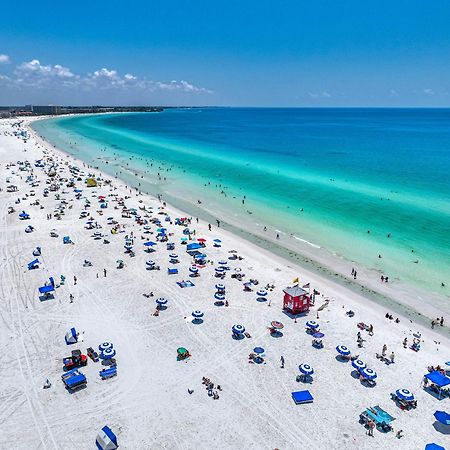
x: 358, y: 364
x: 276, y: 325
x: 306, y: 369
x: 193, y: 269
x: 442, y: 417
x: 368, y: 374
x: 220, y: 287
x: 108, y: 353
x: 105, y: 345
x: 261, y: 293
x: 343, y: 350
x: 258, y: 350
x: 197, y: 314
x: 312, y: 324
x: 219, y: 297
x: 318, y: 335
x: 404, y: 394
x: 161, y: 301
x: 238, y: 329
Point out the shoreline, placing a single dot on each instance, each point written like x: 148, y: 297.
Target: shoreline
x: 304, y: 259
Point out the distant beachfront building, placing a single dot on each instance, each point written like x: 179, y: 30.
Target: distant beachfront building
x: 46, y: 110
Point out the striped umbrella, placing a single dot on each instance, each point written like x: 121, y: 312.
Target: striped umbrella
x: 150, y: 263
x: 306, y: 369
x: 219, y: 297
x: 193, y: 269
x: 404, y: 394
x: 261, y: 293
x: 223, y: 263
x: 173, y: 256
x: 238, y: 329
x: 161, y: 301
x: 312, y: 324
x: 220, y: 287
x: 358, y: 364
x: 219, y: 269
x: 108, y: 353
x: 105, y: 345
x: 368, y: 374
x: 197, y: 314
x: 343, y: 350
x: 277, y: 325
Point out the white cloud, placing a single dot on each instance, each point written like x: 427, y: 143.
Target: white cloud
x: 4, y: 59
x: 428, y: 91
x: 33, y: 74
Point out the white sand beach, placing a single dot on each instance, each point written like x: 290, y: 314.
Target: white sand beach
x: 157, y: 401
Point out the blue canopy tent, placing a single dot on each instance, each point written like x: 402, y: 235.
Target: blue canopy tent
x: 106, y: 439
x: 301, y: 397
x: 71, y: 336
x: 433, y: 447
x: 439, y: 380
x: 442, y: 417
x: 193, y: 246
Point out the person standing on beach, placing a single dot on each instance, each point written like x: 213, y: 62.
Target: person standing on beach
x: 370, y: 330
x: 104, y: 273
x: 432, y: 324
x: 74, y: 280
x: 383, y: 352
x: 209, y: 226
x: 282, y: 362
x: 392, y: 357
x: 441, y: 322
x: 371, y: 425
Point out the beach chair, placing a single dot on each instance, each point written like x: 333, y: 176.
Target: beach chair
x: 302, y: 397
x: 108, y: 373
x: 33, y: 264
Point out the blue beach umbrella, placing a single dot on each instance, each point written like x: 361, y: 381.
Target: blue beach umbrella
x: 261, y: 293
x: 150, y: 262
x: 219, y: 297
x: 161, y: 301
x: 223, y: 263
x: 217, y: 241
x: 343, y: 350
x: 306, y: 369
x: 149, y: 244
x: 404, y: 394
x: 104, y: 345
x: 318, y: 335
x: 442, y: 417
x: 220, y: 287
x: 368, y: 374
x: 219, y: 269
x: 197, y: 314
x: 358, y: 364
x: 193, y: 269
x: 108, y: 353
x: 173, y: 256
x: 258, y: 350
x: 238, y: 329
x: 312, y: 324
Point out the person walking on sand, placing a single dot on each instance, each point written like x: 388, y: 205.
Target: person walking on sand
x: 74, y: 280
x: 383, y: 352
x: 441, y: 322
x: 209, y: 226
x: 405, y: 342
x: 371, y: 425
x: 104, y: 273
x: 392, y: 357
x: 432, y: 324
x: 370, y: 330
x: 282, y: 362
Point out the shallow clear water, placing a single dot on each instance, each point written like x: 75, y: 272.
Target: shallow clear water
x: 325, y: 175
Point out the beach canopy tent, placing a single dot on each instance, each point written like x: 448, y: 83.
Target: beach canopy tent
x: 442, y: 417
x: 193, y: 246
x: 71, y: 336
x: 301, y: 397
x: 439, y: 380
x: 433, y: 447
x: 106, y: 439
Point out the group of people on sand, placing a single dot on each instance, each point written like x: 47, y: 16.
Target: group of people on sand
x: 437, y: 322
x: 438, y: 368
x: 210, y: 387
x: 391, y: 317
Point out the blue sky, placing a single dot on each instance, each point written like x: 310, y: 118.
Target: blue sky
x: 196, y: 52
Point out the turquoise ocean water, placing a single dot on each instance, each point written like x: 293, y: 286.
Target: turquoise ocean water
x: 327, y: 176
